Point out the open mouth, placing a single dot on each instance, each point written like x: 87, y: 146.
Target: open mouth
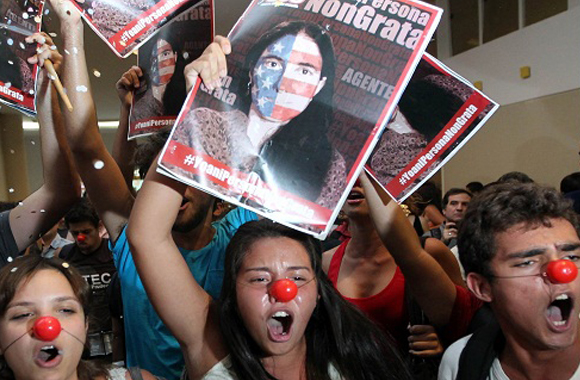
x: 279, y: 325
x: 559, y: 310
x: 48, y: 354
x: 184, y: 203
x: 355, y: 196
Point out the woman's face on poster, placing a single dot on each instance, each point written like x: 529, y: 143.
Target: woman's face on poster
x: 286, y: 77
x: 163, y: 63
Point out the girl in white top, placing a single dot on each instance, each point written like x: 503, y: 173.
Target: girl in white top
x: 278, y: 315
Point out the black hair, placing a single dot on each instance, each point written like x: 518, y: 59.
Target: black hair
x: 429, y: 106
x: 175, y: 93
x: 474, y: 187
x: 148, y: 150
x: 300, y: 153
x: 570, y: 183
x: 82, y: 211
x: 499, y: 207
x: 428, y: 194
x: 454, y: 191
x: 515, y: 176
x: 9, y: 63
x: 337, y: 334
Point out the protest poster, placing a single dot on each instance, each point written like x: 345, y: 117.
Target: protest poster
x: 126, y: 24
x: 18, y: 20
x: 437, y: 114
x: 156, y: 103
x: 310, y: 86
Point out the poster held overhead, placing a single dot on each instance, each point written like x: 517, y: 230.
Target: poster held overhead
x: 18, y: 20
x: 437, y: 114
x: 310, y: 85
x: 126, y: 24
x: 162, y: 59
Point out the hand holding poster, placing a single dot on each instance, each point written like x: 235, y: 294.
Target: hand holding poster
x: 437, y: 114
x: 310, y: 84
x: 18, y: 20
x: 126, y: 24
x: 162, y: 59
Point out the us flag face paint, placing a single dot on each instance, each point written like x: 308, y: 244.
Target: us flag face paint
x: 163, y: 63
x: 286, y: 77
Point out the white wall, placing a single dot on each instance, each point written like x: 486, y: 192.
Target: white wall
x: 550, y: 47
x: 538, y: 137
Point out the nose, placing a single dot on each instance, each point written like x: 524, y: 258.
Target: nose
x: 561, y: 271
x: 46, y: 328
x: 81, y: 238
x: 283, y: 290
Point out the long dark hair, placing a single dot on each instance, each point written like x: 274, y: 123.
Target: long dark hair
x: 337, y: 334
x: 26, y: 268
x: 9, y: 63
x: 175, y: 94
x: 299, y: 154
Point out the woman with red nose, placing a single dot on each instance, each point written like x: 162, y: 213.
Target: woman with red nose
x: 278, y: 315
x: 43, y: 323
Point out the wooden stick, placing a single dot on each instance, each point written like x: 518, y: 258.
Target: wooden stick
x: 57, y: 84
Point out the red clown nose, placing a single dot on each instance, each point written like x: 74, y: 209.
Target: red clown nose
x: 81, y: 238
x: 47, y: 328
x: 561, y: 271
x: 284, y: 290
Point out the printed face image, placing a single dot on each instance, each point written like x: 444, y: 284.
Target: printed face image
x: 163, y: 63
x: 286, y: 77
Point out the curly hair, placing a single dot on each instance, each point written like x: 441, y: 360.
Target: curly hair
x: 500, y: 207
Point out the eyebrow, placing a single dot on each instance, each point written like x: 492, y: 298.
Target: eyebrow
x: 565, y: 247
x: 57, y: 299
x: 266, y: 269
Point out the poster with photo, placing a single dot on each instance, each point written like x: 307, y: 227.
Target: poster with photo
x: 310, y: 86
x: 18, y: 20
x: 126, y: 24
x: 437, y: 114
x: 163, y: 58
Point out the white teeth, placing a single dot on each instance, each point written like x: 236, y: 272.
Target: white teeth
x: 562, y: 297
x: 559, y: 323
x: 48, y: 347
x: 280, y: 314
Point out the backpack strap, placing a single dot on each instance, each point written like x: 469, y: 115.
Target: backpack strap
x: 481, y: 350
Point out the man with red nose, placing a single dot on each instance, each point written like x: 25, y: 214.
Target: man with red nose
x: 520, y: 247
x: 91, y: 256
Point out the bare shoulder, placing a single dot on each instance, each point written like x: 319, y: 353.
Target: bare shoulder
x: 327, y: 258
x: 146, y: 375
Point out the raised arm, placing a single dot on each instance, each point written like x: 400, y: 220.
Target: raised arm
x: 123, y: 149
x: 428, y: 282
x: 99, y: 171
x: 61, y: 188
x: 183, y: 305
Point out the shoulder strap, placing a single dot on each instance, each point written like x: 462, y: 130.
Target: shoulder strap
x: 479, y: 353
x: 336, y: 261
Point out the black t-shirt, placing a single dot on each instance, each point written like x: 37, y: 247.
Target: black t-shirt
x: 8, y: 247
x: 97, y: 269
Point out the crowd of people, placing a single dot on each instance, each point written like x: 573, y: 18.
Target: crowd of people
x: 169, y: 283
